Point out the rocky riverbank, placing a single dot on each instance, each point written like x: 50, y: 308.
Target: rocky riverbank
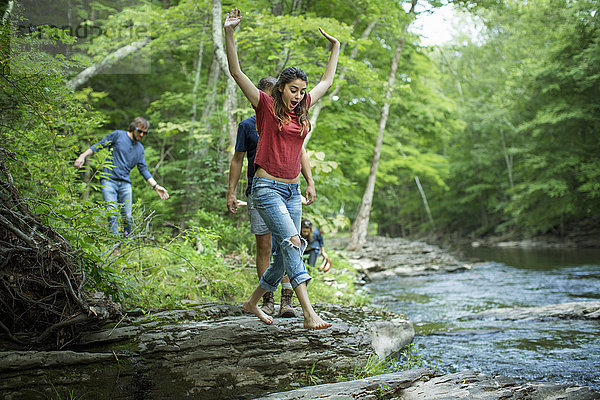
x: 383, y: 257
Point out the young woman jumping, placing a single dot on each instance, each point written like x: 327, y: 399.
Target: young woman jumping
x: 282, y: 122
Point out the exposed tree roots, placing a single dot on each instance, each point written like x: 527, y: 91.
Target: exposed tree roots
x: 42, y: 297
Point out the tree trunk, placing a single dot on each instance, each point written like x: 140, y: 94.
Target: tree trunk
x: 361, y: 223
x: 230, y: 107
x: 277, y: 7
x: 196, y: 152
x: 230, y: 104
x: 296, y: 4
x: 192, y: 137
x: 424, y: 198
x: 421, y: 191
x: 8, y: 11
x: 508, y: 158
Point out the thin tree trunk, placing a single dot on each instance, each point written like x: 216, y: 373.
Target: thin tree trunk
x: 231, y: 92
x: 191, y: 138
x: 314, y: 111
x: 296, y: 4
x: 230, y: 107
x: 218, y: 65
x: 276, y: 7
x: 421, y: 191
x: 424, y: 198
x: 192, y: 142
x: 508, y: 158
x: 8, y: 11
x: 109, y: 60
x: 210, y: 99
x: 195, y: 154
x: 361, y: 223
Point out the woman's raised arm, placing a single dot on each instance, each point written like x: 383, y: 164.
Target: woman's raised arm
x: 327, y: 79
x: 233, y: 19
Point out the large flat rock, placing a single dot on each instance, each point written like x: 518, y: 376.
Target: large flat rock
x: 475, y: 385
x: 205, y: 352
x: 426, y: 385
x: 571, y: 310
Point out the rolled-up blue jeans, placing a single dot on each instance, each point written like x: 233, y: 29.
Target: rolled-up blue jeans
x: 119, y: 195
x: 280, y: 206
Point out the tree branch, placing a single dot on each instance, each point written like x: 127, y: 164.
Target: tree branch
x: 109, y: 60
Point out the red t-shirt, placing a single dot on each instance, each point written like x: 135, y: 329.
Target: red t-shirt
x: 278, y: 151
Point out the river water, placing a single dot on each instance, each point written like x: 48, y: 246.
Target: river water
x: 556, y: 350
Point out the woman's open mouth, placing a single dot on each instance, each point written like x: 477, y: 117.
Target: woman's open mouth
x: 293, y: 104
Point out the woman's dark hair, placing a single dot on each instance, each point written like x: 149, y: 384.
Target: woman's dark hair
x: 139, y: 121
x: 279, y: 108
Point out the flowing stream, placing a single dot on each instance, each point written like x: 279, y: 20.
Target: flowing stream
x: 556, y: 350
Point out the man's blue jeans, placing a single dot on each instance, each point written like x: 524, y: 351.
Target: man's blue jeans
x: 119, y: 195
x: 312, y: 254
x: 280, y: 206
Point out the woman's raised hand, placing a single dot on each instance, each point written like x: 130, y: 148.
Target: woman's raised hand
x: 329, y: 37
x: 233, y: 19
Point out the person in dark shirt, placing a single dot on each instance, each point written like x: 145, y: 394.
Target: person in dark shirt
x: 126, y: 152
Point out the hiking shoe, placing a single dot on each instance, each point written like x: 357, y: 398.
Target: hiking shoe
x: 268, y: 305
x: 286, y: 310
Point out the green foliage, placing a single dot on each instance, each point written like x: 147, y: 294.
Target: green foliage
x: 186, y: 267
x: 311, y: 375
x: 522, y: 163
x: 39, y: 126
x: 336, y: 285
x: 69, y: 395
x: 374, y: 366
x: 502, y: 133
x: 233, y: 237
x: 408, y: 358
x: 411, y: 358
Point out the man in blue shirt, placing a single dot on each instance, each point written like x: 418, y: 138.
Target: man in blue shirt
x: 246, y: 142
x: 126, y: 152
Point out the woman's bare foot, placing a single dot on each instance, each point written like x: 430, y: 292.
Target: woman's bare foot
x: 315, y: 322
x: 253, y: 308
